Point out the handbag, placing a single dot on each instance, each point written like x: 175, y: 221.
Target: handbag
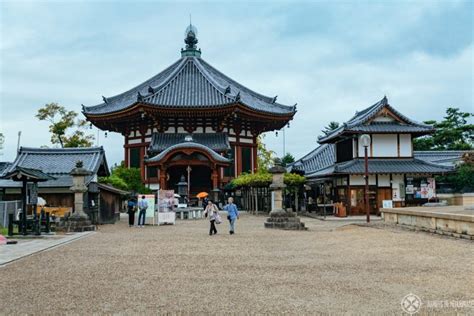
x: 218, y: 219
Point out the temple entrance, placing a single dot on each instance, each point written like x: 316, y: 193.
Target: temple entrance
x: 200, y: 178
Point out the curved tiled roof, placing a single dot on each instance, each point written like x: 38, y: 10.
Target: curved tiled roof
x: 216, y: 141
x: 186, y: 145
x: 359, y: 123
x: 190, y: 83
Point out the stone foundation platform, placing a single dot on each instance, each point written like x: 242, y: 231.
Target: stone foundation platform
x: 456, y: 221
x: 286, y: 220
x: 75, y: 224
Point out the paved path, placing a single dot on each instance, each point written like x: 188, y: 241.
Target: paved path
x: 27, y: 247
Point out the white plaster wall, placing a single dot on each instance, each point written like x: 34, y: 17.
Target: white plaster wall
x: 405, y: 145
x: 359, y: 180
x: 354, y: 148
x: 209, y: 130
x: 181, y: 130
x: 134, y: 141
x: 398, y: 185
x: 385, y: 145
x: 199, y: 129
x: 384, y: 180
x: 382, y: 118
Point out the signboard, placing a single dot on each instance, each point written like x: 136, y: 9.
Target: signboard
x: 387, y: 204
x: 166, y: 218
x: 32, y: 189
x: 409, y: 189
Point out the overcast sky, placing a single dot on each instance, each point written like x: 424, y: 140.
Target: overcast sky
x: 332, y: 58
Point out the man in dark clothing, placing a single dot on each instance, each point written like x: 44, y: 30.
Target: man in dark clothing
x: 131, y: 212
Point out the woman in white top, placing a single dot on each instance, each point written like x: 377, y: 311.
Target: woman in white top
x: 212, y: 213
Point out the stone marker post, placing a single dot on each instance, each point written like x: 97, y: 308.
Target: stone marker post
x: 79, y: 187
x: 279, y: 217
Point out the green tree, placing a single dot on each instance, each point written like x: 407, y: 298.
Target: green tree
x: 62, y: 120
x: 287, y: 159
x: 462, y: 180
x: 331, y: 126
x: 454, y: 132
x: 128, y: 179
x: 265, y: 157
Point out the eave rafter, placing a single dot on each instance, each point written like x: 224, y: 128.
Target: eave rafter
x: 235, y: 115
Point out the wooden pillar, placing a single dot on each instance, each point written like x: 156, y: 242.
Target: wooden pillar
x: 162, y: 178
x: 215, y: 178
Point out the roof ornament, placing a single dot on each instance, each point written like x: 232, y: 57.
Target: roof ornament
x: 105, y: 99
x: 139, y: 96
x: 237, y: 97
x: 83, y: 107
x: 274, y: 99
x: 190, y: 39
x: 151, y: 90
x: 227, y: 90
x: 188, y: 138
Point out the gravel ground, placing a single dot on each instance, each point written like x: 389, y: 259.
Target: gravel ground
x: 331, y: 268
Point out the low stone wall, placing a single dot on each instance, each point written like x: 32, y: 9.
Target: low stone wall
x: 458, y: 224
x: 457, y: 198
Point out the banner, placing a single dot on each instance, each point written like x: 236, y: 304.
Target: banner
x: 166, y: 201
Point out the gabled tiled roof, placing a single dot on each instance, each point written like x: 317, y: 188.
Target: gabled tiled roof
x: 442, y: 157
x: 186, y: 145
x: 218, y: 142
x: 190, y: 83
x: 58, y: 162
x: 323, y: 156
x: 361, y: 123
x: 27, y: 173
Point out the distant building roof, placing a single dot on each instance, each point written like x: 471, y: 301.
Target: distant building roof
x: 58, y: 162
x: 218, y: 142
x: 4, y: 166
x: 362, y: 122
x: 442, y: 157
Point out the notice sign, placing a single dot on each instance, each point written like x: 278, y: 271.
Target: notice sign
x: 387, y: 204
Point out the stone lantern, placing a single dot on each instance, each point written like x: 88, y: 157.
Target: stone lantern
x: 182, y: 189
x: 279, y: 217
x: 79, y: 187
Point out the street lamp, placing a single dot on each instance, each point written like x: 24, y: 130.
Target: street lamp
x: 365, y: 141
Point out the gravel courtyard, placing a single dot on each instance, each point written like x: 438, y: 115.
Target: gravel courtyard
x: 331, y: 268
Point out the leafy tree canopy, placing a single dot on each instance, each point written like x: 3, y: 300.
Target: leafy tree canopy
x: 128, y: 179
x: 287, y: 159
x: 454, y: 132
x: 462, y: 180
x: 265, y: 157
x: 61, y: 121
x: 264, y: 179
x: 331, y: 126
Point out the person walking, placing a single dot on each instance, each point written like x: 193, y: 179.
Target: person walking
x: 131, y: 208
x: 232, y: 214
x: 142, y: 206
x: 212, y: 213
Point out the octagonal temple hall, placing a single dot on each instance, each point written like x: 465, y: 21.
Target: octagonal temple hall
x: 190, y: 119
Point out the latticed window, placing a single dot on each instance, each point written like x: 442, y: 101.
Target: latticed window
x: 246, y: 159
x: 134, y: 157
x: 229, y: 171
